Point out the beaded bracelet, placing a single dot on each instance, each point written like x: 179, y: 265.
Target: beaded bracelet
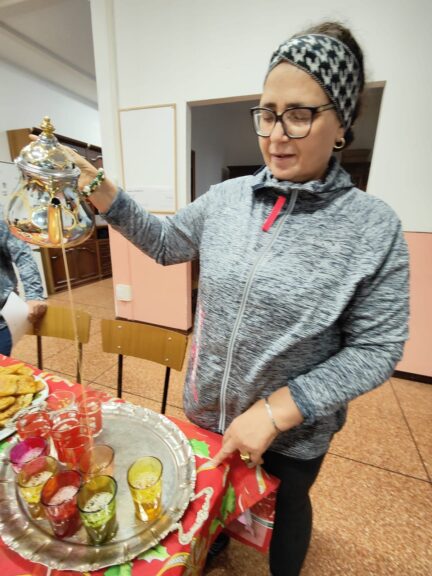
x: 95, y: 183
x: 270, y: 413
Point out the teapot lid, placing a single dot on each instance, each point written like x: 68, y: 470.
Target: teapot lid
x: 46, y: 157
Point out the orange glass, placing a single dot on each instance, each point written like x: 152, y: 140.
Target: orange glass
x: 97, y: 461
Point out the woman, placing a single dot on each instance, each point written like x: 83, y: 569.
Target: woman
x: 16, y: 252
x: 303, y: 280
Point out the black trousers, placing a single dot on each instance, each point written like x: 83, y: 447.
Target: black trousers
x: 293, y: 512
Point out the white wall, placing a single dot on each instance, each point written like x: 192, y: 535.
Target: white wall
x: 25, y: 100
x: 169, y: 51
x: 4, y: 147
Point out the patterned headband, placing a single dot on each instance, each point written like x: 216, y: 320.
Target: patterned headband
x: 331, y: 63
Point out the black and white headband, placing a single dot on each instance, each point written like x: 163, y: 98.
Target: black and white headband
x: 331, y: 63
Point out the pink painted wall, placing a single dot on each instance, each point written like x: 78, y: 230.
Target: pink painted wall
x: 417, y: 357
x: 160, y: 294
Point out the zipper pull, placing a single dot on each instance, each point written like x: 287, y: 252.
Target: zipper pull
x: 274, y: 213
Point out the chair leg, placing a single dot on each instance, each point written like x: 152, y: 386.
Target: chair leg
x: 165, y: 390
x: 119, y: 375
x: 39, y: 351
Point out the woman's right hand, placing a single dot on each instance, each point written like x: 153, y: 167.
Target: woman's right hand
x: 104, y: 195
x: 88, y: 171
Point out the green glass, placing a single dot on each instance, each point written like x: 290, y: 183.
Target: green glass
x: 97, y: 508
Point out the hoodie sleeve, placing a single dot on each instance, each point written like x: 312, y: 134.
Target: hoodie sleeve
x: 374, y: 330
x: 169, y: 240
x: 22, y: 256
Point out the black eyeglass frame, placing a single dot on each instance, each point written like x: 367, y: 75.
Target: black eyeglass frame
x: 278, y: 117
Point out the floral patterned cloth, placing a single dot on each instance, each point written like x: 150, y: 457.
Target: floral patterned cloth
x: 224, y: 492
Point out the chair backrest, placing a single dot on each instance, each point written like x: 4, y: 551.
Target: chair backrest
x: 144, y: 341
x: 57, y: 322
x: 160, y: 345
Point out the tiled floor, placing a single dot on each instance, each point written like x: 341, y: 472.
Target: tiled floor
x: 373, y: 498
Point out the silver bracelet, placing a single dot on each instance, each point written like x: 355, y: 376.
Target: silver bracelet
x: 270, y: 413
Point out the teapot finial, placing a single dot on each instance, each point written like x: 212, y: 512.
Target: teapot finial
x: 47, y: 127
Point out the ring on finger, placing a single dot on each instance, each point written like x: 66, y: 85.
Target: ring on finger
x: 246, y: 457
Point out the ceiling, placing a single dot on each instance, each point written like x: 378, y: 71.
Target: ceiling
x: 51, y: 39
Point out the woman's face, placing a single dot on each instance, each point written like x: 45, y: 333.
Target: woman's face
x: 298, y: 160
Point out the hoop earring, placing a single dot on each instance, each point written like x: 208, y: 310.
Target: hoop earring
x: 339, y: 144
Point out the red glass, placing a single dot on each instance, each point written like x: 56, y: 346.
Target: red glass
x: 34, y: 424
x: 60, y: 400
x: 59, y: 499
x: 90, y: 413
x: 27, y: 450
x: 61, y: 426
x: 78, y: 441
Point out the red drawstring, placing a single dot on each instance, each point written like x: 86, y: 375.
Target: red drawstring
x: 274, y: 213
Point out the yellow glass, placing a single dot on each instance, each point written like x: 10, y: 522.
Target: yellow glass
x: 32, y: 478
x: 145, y: 484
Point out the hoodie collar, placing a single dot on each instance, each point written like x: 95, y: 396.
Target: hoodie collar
x: 336, y: 180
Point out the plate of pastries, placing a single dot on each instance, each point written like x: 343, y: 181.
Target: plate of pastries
x: 20, y: 390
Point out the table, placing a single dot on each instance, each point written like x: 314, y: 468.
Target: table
x: 235, y: 488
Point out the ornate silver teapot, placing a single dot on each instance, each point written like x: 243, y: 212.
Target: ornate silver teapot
x: 46, y: 208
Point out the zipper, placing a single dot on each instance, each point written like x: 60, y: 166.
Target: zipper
x: 266, y: 248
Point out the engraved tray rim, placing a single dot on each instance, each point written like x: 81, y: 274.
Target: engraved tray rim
x: 24, y: 536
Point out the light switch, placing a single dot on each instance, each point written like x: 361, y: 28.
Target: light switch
x: 124, y: 292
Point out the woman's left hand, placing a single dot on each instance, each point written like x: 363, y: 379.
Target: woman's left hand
x: 250, y: 433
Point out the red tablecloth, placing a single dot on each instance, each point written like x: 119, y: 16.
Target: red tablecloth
x: 229, y: 490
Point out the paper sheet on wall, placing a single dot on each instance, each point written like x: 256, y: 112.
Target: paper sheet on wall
x: 154, y: 198
x: 148, y: 138
x: 15, y: 312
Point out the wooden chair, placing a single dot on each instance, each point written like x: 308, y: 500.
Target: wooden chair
x: 57, y: 322
x: 160, y: 345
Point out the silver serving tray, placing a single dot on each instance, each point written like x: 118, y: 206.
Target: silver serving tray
x: 133, y: 432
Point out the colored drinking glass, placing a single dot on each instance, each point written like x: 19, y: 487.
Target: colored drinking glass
x: 32, y: 478
x: 27, y: 450
x: 145, y: 484
x: 97, y: 506
x: 60, y: 400
x: 97, y: 461
x: 77, y: 441
x: 59, y: 500
x: 90, y: 413
x: 34, y: 424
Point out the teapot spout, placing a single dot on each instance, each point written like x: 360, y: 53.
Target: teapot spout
x: 55, y: 222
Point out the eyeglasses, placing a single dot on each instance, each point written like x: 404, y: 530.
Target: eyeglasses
x: 296, y: 121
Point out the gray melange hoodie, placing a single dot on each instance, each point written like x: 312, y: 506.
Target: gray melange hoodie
x: 319, y: 303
